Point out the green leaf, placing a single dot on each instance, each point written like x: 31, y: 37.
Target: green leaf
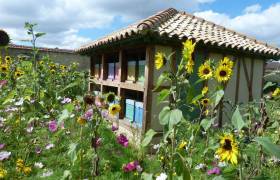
x: 146, y: 176
x: 64, y: 115
x: 70, y: 86
x: 196, y: 98
x: 164, y: 115
x: 163, y: 77
x: 267, y: 144
x: 268, y: 84
x: 216, y: 97
x: 218, y: 178
x: 237, y: 120
x: 176, y: 116
x: 39, y: 34
x: 163, y: 94
x: 148, y: 137
x: 206, y: 123
x: 72, y: 152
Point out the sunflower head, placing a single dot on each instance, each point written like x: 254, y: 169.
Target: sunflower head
x: 182, y: 145
x: 276, y: 93
x: 114, y: 109
x: 205, y: 102
x: 205, y: 71
x: 160, y: 60
x: 52, y: 71
x: 189, y: 66
x: 188, y: 49
x: 223, y: 73
x: 82, y: 121
x: 52, y: 66
x: 18, y: 74
x: 27, y: 170
x: 8, y: 59
x: 41, y: 63
x: 228, y: 150
x: 3, y: 173
x: 4, y: 68
x: 110, y: 97
x: 226, y: 62
x: 62, y: 67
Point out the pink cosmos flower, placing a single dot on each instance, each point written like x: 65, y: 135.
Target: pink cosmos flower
x: 215, y: 170
x: 122, y: 139
x: 4, y: 155
x: 38, y: 150
x: 131, y: 166
x: 114, y: 128
x: 88, y: 114
x: 2, y: 146
x: 53, y: 126
x: 66, y: 101
x: 3, y: 83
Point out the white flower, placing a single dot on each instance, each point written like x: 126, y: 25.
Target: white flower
x: 20, y: 102
x: 47, y: 173
x: 156, y: 146
x: 199, y: 166
x: 49, y: 146
x: 29, y: 129
x: 162, y: 176
x: 217, y: 157
x: 38, y: 165
x: 222, y: 164
x: 4, y: 155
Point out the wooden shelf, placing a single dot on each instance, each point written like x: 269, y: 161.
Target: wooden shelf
x: 132, y: 86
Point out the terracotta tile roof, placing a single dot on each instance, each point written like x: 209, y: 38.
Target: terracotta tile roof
x: 172, y: 23
x: 57, y: 50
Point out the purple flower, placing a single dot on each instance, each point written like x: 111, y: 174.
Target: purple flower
x: 3, y: 83
x: 53, y: 126
x: 4, y: 155
x: 131, y: 166
x: 215, y: 170
x: 2, y: 146
x: 66, y: 101
x: 38, y: 150
x: 122, y: 139
x: 114, y: 128
x: 88, y: 114
x: 104, y: 113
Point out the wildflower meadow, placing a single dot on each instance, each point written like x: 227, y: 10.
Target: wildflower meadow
x: 51, y: 127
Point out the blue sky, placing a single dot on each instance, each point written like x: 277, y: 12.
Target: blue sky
x: 72, y: 23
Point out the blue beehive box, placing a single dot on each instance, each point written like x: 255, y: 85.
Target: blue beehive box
x: 139, y: 111
x: 129, y: 109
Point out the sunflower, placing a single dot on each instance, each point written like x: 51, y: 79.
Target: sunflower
x: 52, y: 71
x: 3, y: 173
x: 276, y: 92
x: 205, y: 102
x: 205, y: 71
x: 223, y: 73
x: 182, y: 145
x: 204, y: 90
x: 81, y: 121
x: 27, y: 170
x: 228, y: 150
x: 226, y: 62
x: 18, y: 73
x: 8, y: 59
x: 110, y: 97
x: 160, y: 60
x: 189, y: 66
x: 188, y: 49
x: 41, y: 63
x: 62, y: 67
x: 4, y: 68
x: 52, y: 66
x: 114, y: 109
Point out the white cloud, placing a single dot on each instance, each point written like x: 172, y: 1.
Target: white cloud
x: 263, y: 25
x: 253, y: 8
x: 62, y: 19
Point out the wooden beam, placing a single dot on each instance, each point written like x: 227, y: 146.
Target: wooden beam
x: 246, y: 76
x: 251, y: 80
x: 148, y: 85
x: 237, y: 80
x: 103, y: 72
x: 263, y: 69
x: 122, y: 102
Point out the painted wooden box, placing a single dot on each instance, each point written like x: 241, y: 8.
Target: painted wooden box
x: 129, y: 109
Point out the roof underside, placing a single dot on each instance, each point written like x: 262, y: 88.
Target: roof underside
x: 180, y: 25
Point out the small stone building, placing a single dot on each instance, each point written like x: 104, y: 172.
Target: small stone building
x: 62, y: 56
x: 165, y: 31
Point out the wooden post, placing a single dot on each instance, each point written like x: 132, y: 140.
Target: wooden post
x: 148, y: 84
x: 263, y: 69
x: 122, y: 102
x: 104, y: 68
x: 237, y: 81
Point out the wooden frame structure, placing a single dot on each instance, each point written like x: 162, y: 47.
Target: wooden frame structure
x: 155, y: 34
